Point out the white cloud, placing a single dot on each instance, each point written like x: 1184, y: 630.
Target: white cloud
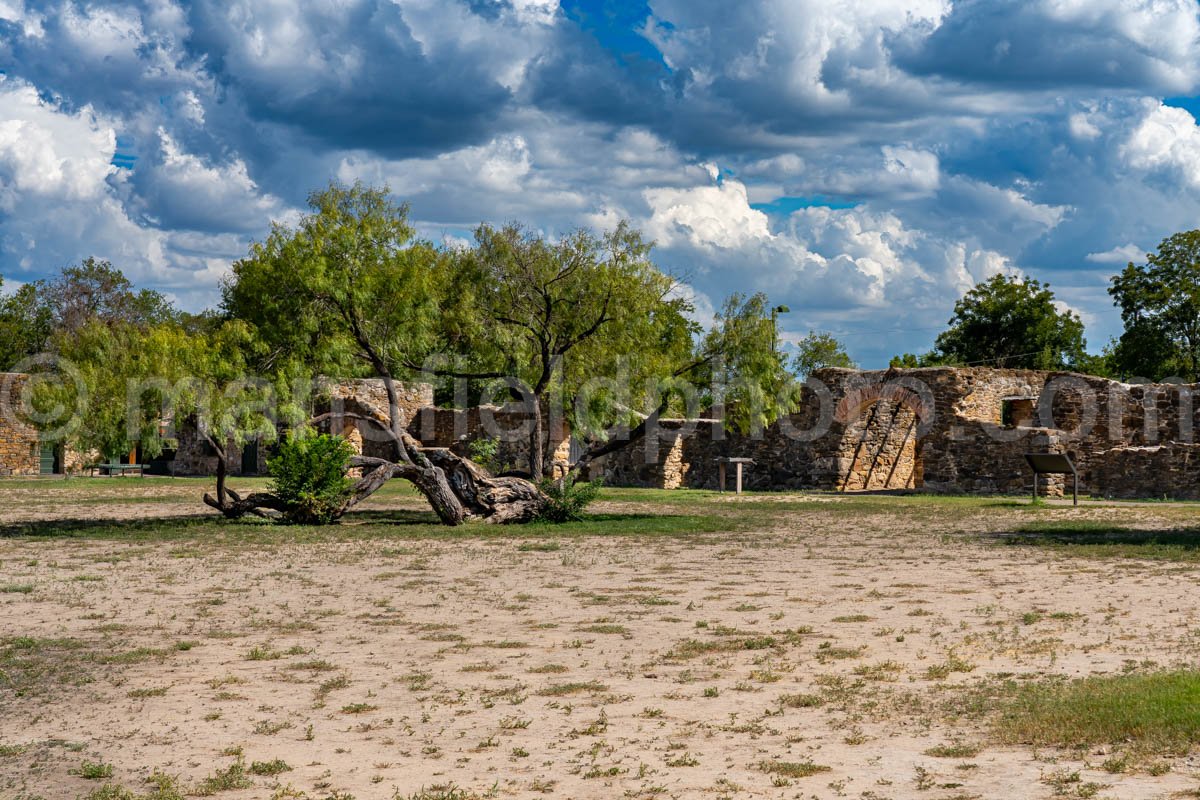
x: 180, y: 190
x: 46, y: 152
x: 61, y: 200
x: 1082, y: 128
x: 717, y: 216
x: 1118, y: 255
x: 1167, y: 139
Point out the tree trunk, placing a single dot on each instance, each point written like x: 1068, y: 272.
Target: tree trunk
x: 537, y: 458
x: 483, y: 497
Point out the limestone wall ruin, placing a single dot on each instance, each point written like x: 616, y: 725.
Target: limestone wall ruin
x: 510, y: 426
x: 940, y: 429
x: 943, y: 429
x: 19, y: 449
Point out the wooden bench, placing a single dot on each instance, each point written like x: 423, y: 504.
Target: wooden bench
x: 739, y: 463
x: 113, y: 470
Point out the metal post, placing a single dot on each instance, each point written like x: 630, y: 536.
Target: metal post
x: 1076, y: 488
x: 1035, y: 480
x: 739, y: 477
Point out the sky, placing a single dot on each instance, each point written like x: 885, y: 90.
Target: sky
x: 864, y: 162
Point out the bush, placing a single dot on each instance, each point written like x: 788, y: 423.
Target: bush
x: 567, y: 498
x: 483, y: 452
x: 309, y: 476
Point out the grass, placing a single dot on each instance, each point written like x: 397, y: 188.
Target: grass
x: 1157, y: 712
x: 1096, y: 539
x: 95, y: 770
x: 792, y: 769
x: 667, y: 513
x: 232, y: 777
x: 563, y: 689
x: 269, y: 768
x: 694, y: 648
x: 955, y: 750
x: 37, y: 666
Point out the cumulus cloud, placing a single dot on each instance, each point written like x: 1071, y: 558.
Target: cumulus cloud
x: 1118, y: 255
x: 61, y: 200
x: 1167, y: 139
x: 44, y: 152
x: 864, y: 162
x: 179, y: 190
x: 1059, y: 43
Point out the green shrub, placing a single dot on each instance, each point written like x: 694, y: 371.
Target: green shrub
x: 567, y: 498
x: 309, y: 476
x: 484, y: 451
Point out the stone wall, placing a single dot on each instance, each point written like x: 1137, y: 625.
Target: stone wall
x: 194, y: 456
x: 1167, y: 470
x: 940, y: 429
x: 510, y: 426
x: 19, y: 448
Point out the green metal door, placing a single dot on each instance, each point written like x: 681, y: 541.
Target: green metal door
x: 49, y: 459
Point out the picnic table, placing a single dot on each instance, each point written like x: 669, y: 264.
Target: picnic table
x: 113, y: 470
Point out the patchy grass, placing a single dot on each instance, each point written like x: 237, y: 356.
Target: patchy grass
x: 580, y: 687
x: 1157, y: 712
x: 1098, y: 539
x: 792, y: 769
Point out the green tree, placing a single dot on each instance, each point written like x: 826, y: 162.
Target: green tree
x: 350, y: 292
x: 96, y: 290
x: 1160, y: 306
x: 25, y: 325
x: 741, y: 360
x: 556, y: 314
x: 1012, y: 322
x: 736, y: 369
x: 818, y: 350
x: 93, y: 291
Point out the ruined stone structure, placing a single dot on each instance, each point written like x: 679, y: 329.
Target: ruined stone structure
x: 943, y: 429
x: 938, y: 429
x: 194, y: 456
x: 19, y: 447
x: 509, y: 426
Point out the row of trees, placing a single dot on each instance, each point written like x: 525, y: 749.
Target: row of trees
x: 350, y: 292
x: 1015, y: 322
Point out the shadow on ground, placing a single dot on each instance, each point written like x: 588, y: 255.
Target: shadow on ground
x: 1097, y: 538
x: 359, y: 524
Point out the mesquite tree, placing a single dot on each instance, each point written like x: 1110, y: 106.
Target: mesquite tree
x: 555, y: 315
x: 349, y: 292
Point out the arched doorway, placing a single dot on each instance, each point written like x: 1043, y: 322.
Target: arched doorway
x: 881, y: 447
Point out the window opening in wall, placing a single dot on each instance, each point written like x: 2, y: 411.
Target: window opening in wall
x: 1018, y: 412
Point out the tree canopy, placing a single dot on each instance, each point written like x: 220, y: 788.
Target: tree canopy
x: 93, y: 291
x: 1160, y: 307
x: 587, y: 321
x: 1012, y: 322
x: 817, y: 351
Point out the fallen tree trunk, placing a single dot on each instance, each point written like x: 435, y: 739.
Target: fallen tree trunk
x: 497, y: 500
x: 457, y: 489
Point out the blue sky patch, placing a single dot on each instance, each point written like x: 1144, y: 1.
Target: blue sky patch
x: 788, y: 205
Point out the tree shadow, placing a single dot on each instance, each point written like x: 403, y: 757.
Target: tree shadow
x: 200, y: 526
x: 74, y: 528
x: 1097, y: 536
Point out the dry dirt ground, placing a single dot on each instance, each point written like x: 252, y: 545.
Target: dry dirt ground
x: 813, y: 636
